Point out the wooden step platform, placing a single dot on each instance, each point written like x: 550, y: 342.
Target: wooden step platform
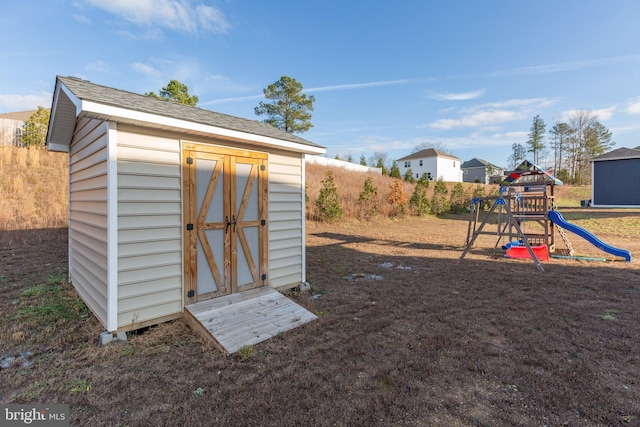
x: 246, y: 318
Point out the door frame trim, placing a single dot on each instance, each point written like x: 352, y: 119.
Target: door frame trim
x: 190, y: 211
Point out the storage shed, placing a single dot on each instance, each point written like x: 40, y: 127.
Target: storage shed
x: 172, y: 205
x: 616, y: 179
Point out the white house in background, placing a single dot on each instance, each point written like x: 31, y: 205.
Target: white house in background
x: 435, y: 163
x: 482, y: 171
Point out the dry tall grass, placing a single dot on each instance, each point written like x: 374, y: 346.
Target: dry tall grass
x: 350, y: 183
x: 33, y: 188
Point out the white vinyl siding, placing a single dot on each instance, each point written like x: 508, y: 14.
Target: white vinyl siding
x: 149, y: 228
x: 286, y: 216
x: 88, y: 214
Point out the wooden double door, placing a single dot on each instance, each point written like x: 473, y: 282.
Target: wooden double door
x: 225, y: 210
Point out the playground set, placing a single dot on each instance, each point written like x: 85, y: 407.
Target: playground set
x: 527, y: 196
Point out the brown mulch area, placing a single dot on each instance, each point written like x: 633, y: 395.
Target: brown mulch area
x: 407, y: 334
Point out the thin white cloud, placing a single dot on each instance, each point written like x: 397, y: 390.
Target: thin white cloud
x: 98, y: 65
x: 492, y: 113
x: 566, y: 66
x: 482, y: 118
x: 604, y: 114
x: 634, y: 106
x: 81, y: 19
x: 463, y: 96
x: 145, y: 69
x: 359, y: 85
x: 232, y: 99
x: 179, y: 15
x: 12, y: 102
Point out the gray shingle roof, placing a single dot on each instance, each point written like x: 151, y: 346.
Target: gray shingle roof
x: 105, y: 95
x: 477, y: 163
x: 429, y: 152
x: 620, y: 153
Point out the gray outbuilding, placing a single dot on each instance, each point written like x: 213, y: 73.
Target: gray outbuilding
x: 171, y: 205
x: 616, y: 179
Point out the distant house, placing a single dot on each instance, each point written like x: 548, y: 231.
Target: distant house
x: 11, y: 126
x: 434, y: 163
x: 479, y: 170
x: 616, y: 178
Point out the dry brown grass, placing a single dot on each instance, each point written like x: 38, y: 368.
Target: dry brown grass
x: 351, y: 183
x: 33, y: 188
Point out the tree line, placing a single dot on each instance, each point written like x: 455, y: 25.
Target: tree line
x: 568, y: 149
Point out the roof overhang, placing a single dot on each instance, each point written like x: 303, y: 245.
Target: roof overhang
x: 67, y: 108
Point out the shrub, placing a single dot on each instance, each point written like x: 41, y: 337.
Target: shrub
x: 397, y: 199
x: 419, y: 201
x: 459, y: 200
x: 408, y: 176
x: 394, y: 172
x: 328, y: 203
x: 439, y: 202
x: 368, y: 200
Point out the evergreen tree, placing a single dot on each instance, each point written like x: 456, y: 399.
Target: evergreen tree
x: 176, y: 92
x: 328, y: 206
x: 439, y: 201
x: 419, y: 201
x: 394, y: 172
x: 290, y: 109
x: 459, y: 200
x: 368, y: 200
x: 536, y: 137
x: 363, y: 160
x: 349, y: 158
x: 34, y: 131
x: 408, y: 176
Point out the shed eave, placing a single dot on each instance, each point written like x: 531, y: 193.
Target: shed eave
x: 122, y: 115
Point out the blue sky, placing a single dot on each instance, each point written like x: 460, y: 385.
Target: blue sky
x: 387, y: 76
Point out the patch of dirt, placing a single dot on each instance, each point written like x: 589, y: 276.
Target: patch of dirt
x: 437, y: 341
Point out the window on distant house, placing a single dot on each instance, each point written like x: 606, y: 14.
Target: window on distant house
x: 429, y: 175
x: 420, y: 162
x: 407, y: 164
x: 454, y: 164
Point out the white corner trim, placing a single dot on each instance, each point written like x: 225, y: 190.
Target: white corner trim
x: 303, y: 211
x: 112, y: 226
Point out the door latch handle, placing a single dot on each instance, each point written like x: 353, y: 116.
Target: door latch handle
x: 226, y: 228
x: 234, y: 223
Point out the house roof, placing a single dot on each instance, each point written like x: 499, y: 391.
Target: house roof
x: 478, y: 163
x: 530, y: 173
x: 18, y: 115
x: 619, y: 153
x: 75, y: 97
x: 427, y: 153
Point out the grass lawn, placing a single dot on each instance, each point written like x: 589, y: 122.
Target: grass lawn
x: 407, y: 334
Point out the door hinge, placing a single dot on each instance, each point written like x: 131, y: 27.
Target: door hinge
x: 263, y: 222
x: 264, y: 277
x: 262, y: 167
x: 189, y: 227
x: 191, y: 294
x: 189, y: 160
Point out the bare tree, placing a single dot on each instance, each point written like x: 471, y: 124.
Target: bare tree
x: 429, y: 144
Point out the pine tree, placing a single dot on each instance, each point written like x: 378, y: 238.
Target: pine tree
x: 368, y: 200
x: 363, y: 160
x: 419, y: 201
x: 328, y: 206
x: 458, y: 200
x: 34, y: 131
x: 408, y: 176
x: 176, y: 92
x: 290, y: 109
x: 394, y: 172
x: 439, y: 201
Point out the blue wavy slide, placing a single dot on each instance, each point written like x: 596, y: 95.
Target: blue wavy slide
x: 558, y: 219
